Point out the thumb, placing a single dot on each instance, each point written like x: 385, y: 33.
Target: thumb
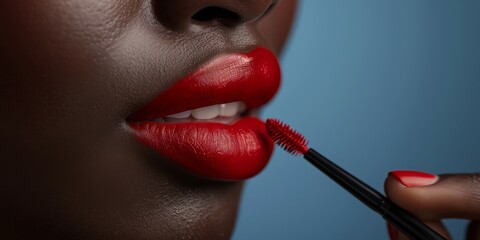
x: 432, y: 197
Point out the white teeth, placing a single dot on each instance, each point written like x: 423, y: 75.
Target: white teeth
x: 185, y: 114
x: 229, y: 109
x: 207, y: 112
x: 220, y: 111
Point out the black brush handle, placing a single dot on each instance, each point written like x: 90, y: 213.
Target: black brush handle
x: 394, y: 214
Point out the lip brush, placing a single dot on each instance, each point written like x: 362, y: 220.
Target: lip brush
x: 294, y: 143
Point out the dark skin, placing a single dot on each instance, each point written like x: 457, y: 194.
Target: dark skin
x: 71, y: 73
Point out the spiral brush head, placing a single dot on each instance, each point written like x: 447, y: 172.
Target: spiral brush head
x: 287, y: 138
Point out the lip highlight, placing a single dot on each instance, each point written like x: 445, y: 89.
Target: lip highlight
x: 214, y: 150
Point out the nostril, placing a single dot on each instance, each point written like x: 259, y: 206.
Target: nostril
x: 212, y: 13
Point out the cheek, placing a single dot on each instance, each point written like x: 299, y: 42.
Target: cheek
x: 56, y: 56
x: 51, y: 40
x: 69, y: 72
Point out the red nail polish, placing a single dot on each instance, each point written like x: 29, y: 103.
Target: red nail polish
x: 414, y: 178
x: 392, y: 232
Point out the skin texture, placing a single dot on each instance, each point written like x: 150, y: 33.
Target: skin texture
x: 71, y: 72
x: 451, y: 196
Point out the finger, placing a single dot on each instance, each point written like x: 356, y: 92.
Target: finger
x: 432, y: 197
x: 473, y: 230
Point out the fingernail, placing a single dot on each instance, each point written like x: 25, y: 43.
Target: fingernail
x: 392, y: 232
x: 414, y: 178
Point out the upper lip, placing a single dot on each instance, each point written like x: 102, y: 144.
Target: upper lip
x: 252, y: 78
x: 214, y: 150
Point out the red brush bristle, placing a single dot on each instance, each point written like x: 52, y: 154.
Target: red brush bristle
x: 287, y: 138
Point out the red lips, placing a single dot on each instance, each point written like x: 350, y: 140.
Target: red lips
x: 209, y: 149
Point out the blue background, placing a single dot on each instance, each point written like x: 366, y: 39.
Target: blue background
x: 375, y: 86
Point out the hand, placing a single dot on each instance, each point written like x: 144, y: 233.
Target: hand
x: 433, y: 198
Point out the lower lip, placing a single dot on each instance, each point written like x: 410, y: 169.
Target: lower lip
x: 211, y: 150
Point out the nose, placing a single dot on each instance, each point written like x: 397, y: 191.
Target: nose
x: 228, y: 13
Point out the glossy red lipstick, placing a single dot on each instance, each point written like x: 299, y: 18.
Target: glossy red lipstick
x: 214, y: 150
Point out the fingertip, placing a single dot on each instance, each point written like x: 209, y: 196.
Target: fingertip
x: 410, y: 178
x: 446, y: 196
x: 406, y: 191
x: 391, y: 184
x: 394, y: 188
